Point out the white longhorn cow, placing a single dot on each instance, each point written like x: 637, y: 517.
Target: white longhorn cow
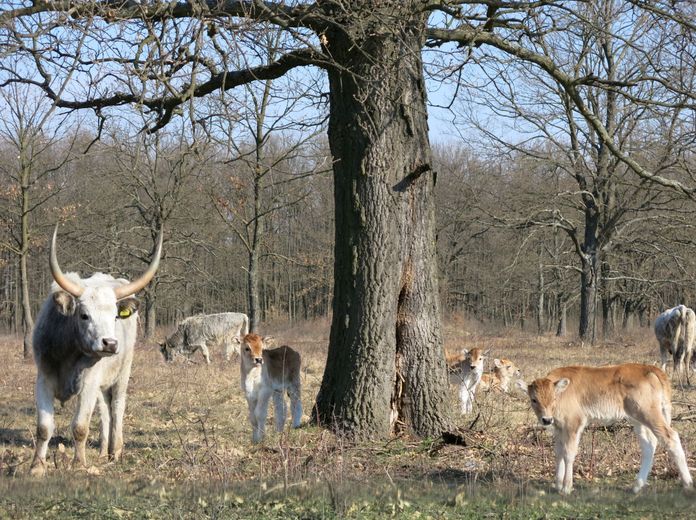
x: 83, y: 346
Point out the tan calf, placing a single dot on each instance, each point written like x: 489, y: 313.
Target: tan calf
x: 569, y: 397
x: 465, y: 370
x: 267, y: 372
x: 504, y: 371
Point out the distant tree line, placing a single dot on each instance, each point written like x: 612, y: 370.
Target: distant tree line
x: 505, y: 231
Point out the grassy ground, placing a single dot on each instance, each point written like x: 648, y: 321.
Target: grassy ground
x: 188, y: 453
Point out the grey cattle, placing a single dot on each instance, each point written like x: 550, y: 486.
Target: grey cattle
x: 675, y: 330
x: 198, y: 332
x: 83, y: 346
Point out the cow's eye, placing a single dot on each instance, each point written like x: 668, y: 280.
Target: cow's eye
x: 534, y: 401
x: 248, y: 349
x: 84, y: 316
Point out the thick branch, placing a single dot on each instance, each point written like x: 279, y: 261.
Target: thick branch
x: 223, y: 81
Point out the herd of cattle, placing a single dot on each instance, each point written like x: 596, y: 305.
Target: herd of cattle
x: 85, y: 334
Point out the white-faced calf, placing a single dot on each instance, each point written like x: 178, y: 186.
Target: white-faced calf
x: 465, y: 371
x: 569, y: 397
x: 267, y: 372
x: 504, y: 371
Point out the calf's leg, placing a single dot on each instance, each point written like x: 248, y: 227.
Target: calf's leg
x: 648, y: 443
x: 261, y: 412
x: 295, y: 405
x: 279, y: 409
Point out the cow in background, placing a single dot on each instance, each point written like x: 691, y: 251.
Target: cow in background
x: 675, y: 330
x: 83, y: 346
x: 465, y: 371
x: 504, y: 371
x: 198, y: 332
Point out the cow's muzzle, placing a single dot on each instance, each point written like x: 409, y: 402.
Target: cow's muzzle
x: 547, y: 421
x: 109, y: 347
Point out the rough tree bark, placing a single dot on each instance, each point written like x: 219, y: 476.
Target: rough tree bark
x: 385, y: 367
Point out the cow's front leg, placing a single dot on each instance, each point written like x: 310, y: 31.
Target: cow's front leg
x: 663, y: 357
x: 261, y: 413
x: 44, y: 424
x: 104, y: 404
x: 118, y: 410
x: 227, y: 349
x: 252, y: 402
x: 279, y: 409
x: 205, y: 352
x: 80, y: 425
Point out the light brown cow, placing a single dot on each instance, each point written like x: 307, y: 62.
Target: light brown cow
x: 569, y: 397
x: 267, y: 372
x: 465, y: 370
x: 503, y: 373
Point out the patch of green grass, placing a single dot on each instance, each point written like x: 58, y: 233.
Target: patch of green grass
x: 90, y: 498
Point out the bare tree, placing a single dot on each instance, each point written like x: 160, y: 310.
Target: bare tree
x: 40, y: 149
x: 587, y: 133
x: 265, y: 133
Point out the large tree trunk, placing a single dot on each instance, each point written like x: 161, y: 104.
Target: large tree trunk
x: 385, y: 366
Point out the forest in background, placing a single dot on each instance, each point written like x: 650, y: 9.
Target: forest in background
x: 505, y: 225
x: 563, y: 195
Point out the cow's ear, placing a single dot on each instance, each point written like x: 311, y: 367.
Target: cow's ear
x: 268, y: 341
x: 561, y: 384
x: 127, y: 307
x: 64, y: 302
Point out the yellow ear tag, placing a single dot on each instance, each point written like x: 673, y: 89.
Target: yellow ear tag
x: 124, y: 313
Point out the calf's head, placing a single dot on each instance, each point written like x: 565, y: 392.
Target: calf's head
x: 475, y: 358
x: 543, y: 395
x: 96, y: 309
x: 505, y: 368
x: 252, y: 349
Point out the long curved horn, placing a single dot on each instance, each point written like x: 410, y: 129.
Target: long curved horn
x: 73, y: 288
x: 136, y: 285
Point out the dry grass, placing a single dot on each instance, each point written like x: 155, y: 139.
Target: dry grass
x: 186, y: 426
